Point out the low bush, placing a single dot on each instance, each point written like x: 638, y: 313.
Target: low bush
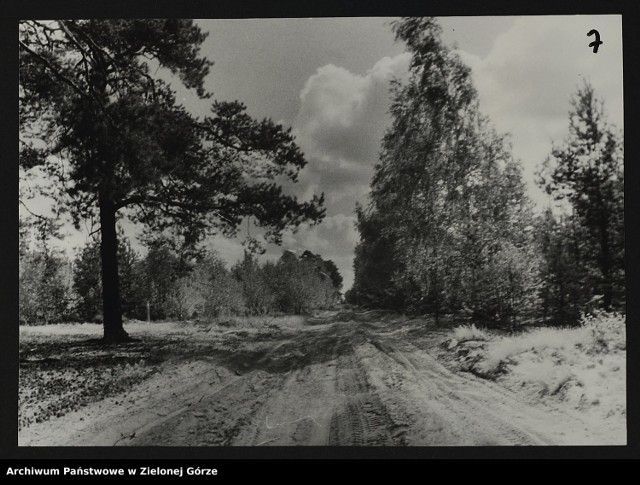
x: 465, y: 333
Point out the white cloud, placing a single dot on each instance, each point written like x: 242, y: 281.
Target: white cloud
x: 526, y: 80
x: 340, y: 124
x: 343, y: 115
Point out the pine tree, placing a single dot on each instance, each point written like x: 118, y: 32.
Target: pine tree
x: 124, y: 146
x: 587, y: 171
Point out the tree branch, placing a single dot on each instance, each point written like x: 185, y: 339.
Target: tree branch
x: 55, y: 72
x: 151, y: 200
x: 31, y: 212
x: 73, y: 39
x: 219, y: 139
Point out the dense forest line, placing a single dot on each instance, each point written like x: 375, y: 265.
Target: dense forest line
x: 168, y: 283
x: 449, y: 228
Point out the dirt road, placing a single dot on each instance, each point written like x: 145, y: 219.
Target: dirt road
x: 350, y: 380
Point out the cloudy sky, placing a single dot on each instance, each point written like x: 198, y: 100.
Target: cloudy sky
x: 329, y: 78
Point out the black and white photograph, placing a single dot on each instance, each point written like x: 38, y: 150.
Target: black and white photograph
x: 322, y: 232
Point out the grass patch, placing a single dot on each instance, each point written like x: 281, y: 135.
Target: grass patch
x: 582, y: 366
x: 602, y: 333
x: 464, y: 333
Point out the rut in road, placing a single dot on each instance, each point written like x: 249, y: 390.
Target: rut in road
x: 362, y: 420
x: 344, y: 382
x: 330, y: 402
x: 447, y: 408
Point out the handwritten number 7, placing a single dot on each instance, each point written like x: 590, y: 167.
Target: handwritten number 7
x: 596, y: 43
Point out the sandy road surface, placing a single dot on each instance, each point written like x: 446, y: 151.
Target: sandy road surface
x: 363, y: 381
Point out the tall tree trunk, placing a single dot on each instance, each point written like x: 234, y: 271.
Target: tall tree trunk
x: 111, y: 310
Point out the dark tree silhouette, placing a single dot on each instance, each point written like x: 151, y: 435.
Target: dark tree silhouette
x: 100, y: 121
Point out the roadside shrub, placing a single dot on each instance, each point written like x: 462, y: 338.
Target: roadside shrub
x: 607, y: 331
x: 465, y: 333
x: 599, y: 333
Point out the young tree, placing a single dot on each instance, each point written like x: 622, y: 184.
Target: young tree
x: 86, y: 282
x: 587, y: 171
x: 159, y: 271
x: 119, y: 144
x: 44, y: 274
x: 564, y: 290
x: 257, y: 291
x: 447, y: 196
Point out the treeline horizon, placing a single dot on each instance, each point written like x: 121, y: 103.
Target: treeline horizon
x: 449, y: 228
x: 168, y: 282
